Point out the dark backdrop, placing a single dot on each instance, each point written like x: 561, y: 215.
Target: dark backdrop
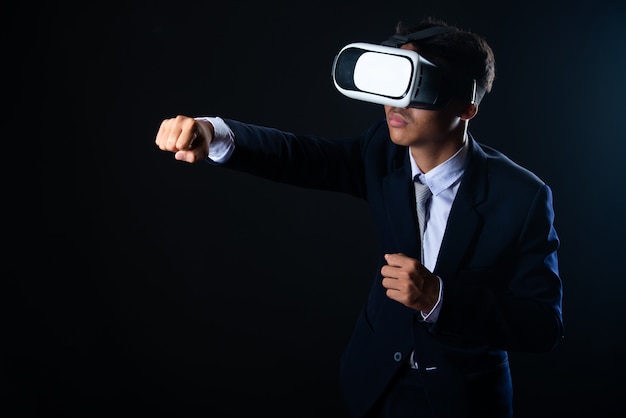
x: 142, y: 286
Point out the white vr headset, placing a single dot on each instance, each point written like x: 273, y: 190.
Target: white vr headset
x: 385, y: 74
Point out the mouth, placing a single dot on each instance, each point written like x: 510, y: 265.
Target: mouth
x: 396, y: 120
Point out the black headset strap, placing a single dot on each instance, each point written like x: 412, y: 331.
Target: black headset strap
x: 398, y: 40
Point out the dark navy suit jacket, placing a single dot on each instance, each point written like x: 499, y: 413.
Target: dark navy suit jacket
x: 498, y: 263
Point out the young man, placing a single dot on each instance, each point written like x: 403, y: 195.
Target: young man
x: 433, y: 336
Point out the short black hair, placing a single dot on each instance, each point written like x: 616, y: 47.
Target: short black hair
x: 464, y: 53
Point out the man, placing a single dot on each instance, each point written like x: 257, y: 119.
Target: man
x: 433, y: 336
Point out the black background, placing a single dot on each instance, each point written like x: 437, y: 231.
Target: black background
x: 143, y: 286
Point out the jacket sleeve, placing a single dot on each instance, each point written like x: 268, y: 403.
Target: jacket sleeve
x: 300, y: 160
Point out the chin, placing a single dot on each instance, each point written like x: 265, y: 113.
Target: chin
x: 397, y: 141
x: 398, y: 138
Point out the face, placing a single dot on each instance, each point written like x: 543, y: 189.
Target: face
x: 414, y: 127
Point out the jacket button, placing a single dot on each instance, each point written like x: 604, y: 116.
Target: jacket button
x: 397, y: 356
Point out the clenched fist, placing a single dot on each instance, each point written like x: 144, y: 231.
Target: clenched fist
x: 187, y: 137
x: 407, y: 281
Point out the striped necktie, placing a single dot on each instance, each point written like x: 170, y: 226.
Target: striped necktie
x: 422, y: 194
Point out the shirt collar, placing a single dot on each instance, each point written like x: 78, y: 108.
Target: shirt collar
x: 445, y: 174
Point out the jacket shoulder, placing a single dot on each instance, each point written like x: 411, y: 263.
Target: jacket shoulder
x: 505, y: 169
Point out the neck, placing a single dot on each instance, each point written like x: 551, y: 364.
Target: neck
x: 429, y: 155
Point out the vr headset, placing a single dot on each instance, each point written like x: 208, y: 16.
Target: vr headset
x: 387, y: 75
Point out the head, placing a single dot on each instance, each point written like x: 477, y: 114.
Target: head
x: 463, y: 54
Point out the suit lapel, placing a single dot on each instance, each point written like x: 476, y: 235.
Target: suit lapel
x: 464, y: 220
x: 400, y: 200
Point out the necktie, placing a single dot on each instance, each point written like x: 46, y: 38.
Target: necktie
x: 422, y: 194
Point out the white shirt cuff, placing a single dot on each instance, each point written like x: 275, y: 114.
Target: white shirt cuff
x: 432, y: 316
x: 223, y: 143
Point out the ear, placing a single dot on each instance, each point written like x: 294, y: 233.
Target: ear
x: 469, y: 111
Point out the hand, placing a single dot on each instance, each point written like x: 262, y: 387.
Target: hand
x: 187, y: 137
x: 407, y: 281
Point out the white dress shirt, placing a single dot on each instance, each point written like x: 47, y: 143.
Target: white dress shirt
x: 443, y: 182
